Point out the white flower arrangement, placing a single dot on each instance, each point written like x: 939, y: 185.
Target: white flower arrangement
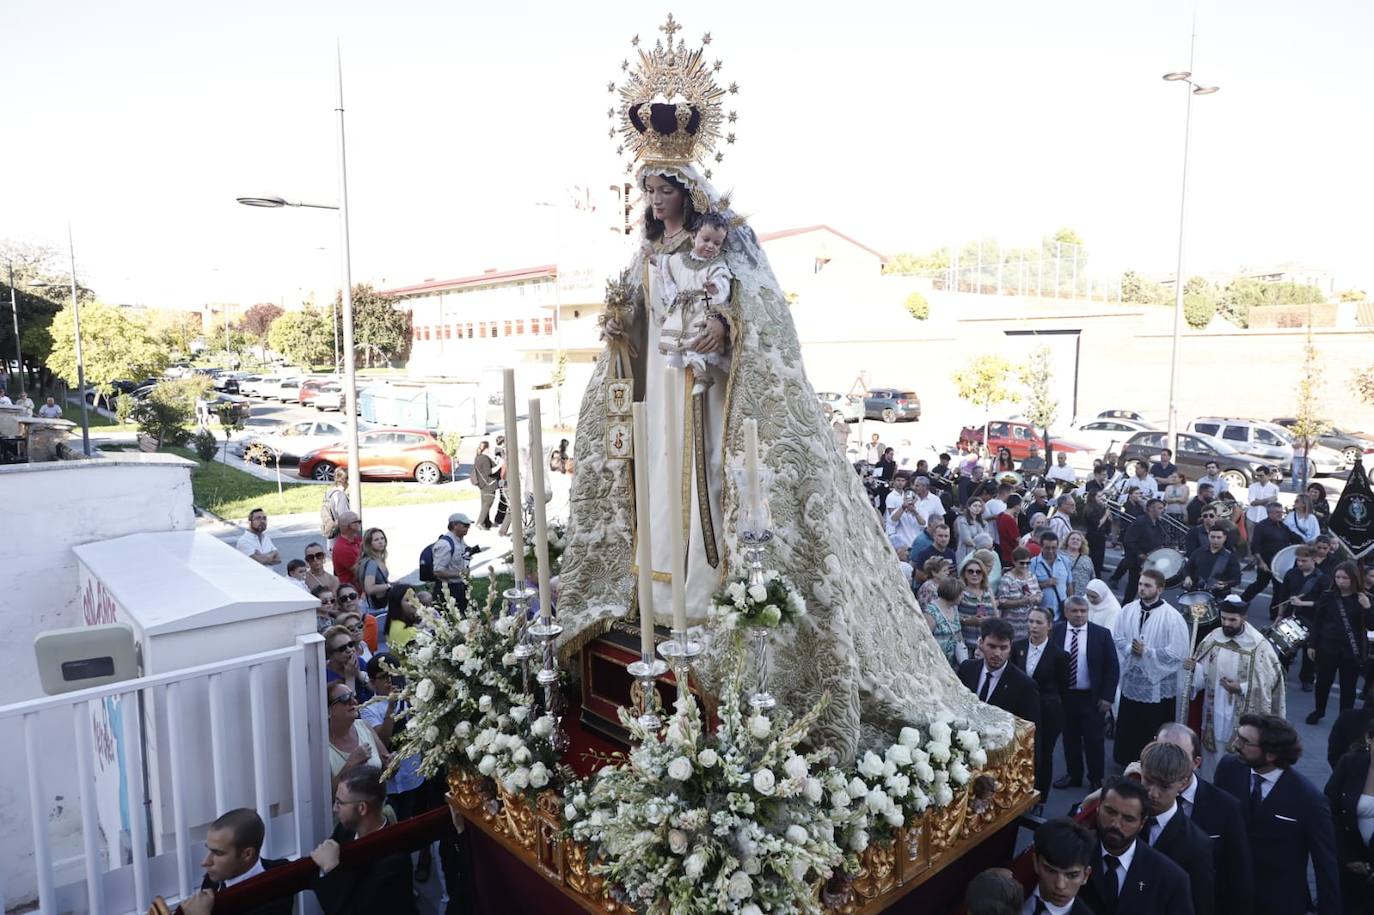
x: 467, y: 707
x: 734, y: 820
x: 770, y: 604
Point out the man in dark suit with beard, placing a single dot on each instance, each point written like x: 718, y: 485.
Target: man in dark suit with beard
x: 1218, y: 815
x: 994, y: 680
x: 1165, y: 771
x: 1128, y: 876
x: 1048, y: 665
x: 373, y: 886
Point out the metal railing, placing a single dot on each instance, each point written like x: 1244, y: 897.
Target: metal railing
x: 149, y: 731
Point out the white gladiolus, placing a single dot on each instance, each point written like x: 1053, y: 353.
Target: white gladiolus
x: 899, y: 754
x: 487, y: 765
x: 740, y: 886
x: 707, y: 758
x: 677, y: 841
x: 796, y: 834
x: 764, y: 782
x: 759, y: 727
x: 431, y: 734
x: 795, y: 767
x: 871, y: 765
x: 680, y: 768
x: 539, y: 775
x: 909, y: 737
x: 424, y: 691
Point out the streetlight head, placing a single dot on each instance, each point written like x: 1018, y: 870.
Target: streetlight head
x: 1177, y: 75
x: 1205, y: 90
x: 262, y: 201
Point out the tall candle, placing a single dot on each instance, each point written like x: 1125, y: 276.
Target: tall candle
x: 751, y: 468
x: 541, y: 523
x: 515, y: 503
x: 672, y: 386
x: 643, y: 541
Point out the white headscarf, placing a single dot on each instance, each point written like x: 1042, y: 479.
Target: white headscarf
x: 1108, y: 608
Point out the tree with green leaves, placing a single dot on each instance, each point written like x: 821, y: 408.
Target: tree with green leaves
x: 984, y: 382
x: 1351, y: 295
x: 1364, y: 384
x: 1138, y: 290
x: 917, y: 306
x: 114, y: 345
x: 1308, y: 425
x: 1198, y: 310
x: 1040, y: 406
x: 380, y: 329
x: 257, y: 323
x: 302, y: 337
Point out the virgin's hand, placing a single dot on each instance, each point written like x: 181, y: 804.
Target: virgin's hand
x: 710, y: 340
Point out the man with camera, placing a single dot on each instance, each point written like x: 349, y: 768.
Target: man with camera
x: 452, y: 555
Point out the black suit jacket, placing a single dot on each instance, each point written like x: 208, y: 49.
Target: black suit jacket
x: 1153, y: 886
x: 273, y: 907
x: 1051, y: 677
x: 1218, y: 815
x: 1079, y: 907
x: 380, y: 885
x: 1104, y: 668
x: 1346, y: 732
x: 1015, y: 692
x: 1292, y: 825
x: 1343, y: 793
x: 1183, y: 843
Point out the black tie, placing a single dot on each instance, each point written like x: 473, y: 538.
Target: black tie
x: 1112, y: 862
x: 1040, y: 907
x: 987, y: 682
x: 1150, y: 824
x: 1256, y: 795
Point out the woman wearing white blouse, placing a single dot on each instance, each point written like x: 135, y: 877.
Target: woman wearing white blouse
x: 1302, y: 521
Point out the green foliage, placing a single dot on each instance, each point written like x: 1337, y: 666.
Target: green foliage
x: 917, y: 306
x: 124, y: 407
x: 303, y: 337
x: 1040, y: 406
x: 907, y: 264
x: 204, y: 443
x: 1351, y: 295
x: 380, y: 329
x: 984, y: 382
x: 450, y: 442
x: 1308, y: 424
x: 114, y: 344
x: 1244, y: 293
x: 165, y: 415
x: 1364, y: 384
x: 1198, y: 285
x: 1141, y: 291
x: 1198, y: 309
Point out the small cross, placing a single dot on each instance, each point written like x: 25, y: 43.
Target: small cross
x: 670, y: 27
x: 1141, y: 886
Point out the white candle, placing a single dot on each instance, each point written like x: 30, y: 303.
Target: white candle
x: 515, y: 503
x: 643, y: 548
x: 672, y: 386
x: 541, y: 523
x: 751, y: 468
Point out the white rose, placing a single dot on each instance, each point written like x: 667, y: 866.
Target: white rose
x: 707, y: 758
x: 539, y: 775
x: 895, y: 817
x: 740, y: 886
x: 795, y: 767
x: 940, y: 732
x: 939, y: 752
x: 500, y: 742
x: 919, y: 800
x: 425, y: 655
x: 899, y: 785
x: 814, y: 790
x: 836, y: 781
x: 871, y: 765
x: 751, y: 909
x: 520, y: 777
x: 959, y: 772
x: 978, y: 758
x: 799, y: 869
x: 542, y: 726
x: 487, y: 765
x: 968, y: 740
x: 839, y: 799
x: 751, y: 865
x: 464, y: 728
x: 764, y: 781
x: 796, y: 834
x: 680, y: 768
x: 431, y: 734
x: 460, y: 653
x: 924, y: 772
x: 677, y: 841
x: 877, y: 800
x: 859, y: 841
x: 504, y: 624
x: 694, y: 865
x: 519, y: 713
x: 521, y: 756
x: 509, y: 659
x: 909, y: 737
x: 943, y: 796
x: 569, y: 812
x: 484, y: 703
x: 899, y: 754
x: 759, y: 726
x: 424, y: 691
x: 941, y: 776
x: 857, y: 788
x: 758, y: 593
x: 889, y: 768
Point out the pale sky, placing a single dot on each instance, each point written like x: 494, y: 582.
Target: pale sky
x: 905, y: 125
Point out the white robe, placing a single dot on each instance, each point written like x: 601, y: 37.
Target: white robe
x: 1154, y: 675
x: 1250, y: 660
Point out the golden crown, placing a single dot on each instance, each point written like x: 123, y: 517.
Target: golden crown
x: 670, y: 110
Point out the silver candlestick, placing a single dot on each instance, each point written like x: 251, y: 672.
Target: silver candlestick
x: 547, y: 633
x: 754, y: 543
x: 647, y: 670
x: 518, y: 600
x: 679, y: 652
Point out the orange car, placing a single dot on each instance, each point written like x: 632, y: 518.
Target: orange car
x: 389, y: 454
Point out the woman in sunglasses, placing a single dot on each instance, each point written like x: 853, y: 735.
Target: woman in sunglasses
x: 350, y: 601
x: 352, y: 742
x: 976, y: 602
x: 315, y: 575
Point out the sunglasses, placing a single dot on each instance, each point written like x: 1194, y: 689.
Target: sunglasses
x: 974, y: 572
x: 343, y: 596
x: 338, y: 649
x: 314, y: 555
x: 355, y: 627
x: 343, y: 699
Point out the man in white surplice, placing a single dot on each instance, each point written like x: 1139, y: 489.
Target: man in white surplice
x: 1152, y: 642
x: 1240, y: 674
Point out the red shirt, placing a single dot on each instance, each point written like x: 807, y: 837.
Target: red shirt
x: 345, y: 557
x: 1008, y: 538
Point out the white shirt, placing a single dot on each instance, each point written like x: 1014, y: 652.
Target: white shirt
x: 1257, y: 513
x: 1082, y: 681
x: 1125, y: 859
x: 1218, y: 484
x: 1189, y: 797
x: 249, y: 874
x: 1066, y: 474
x: 1045, y: 906
x: 1148, y: 486
x: 995, y: 677
x: 5, y: 401
x: 50, y: 412
x: 249, y: 544
x: 1062, y: 528
x: 1034, y: 652
x: 905, y: 529
x: 1267, y: 781
x: 1306, y: 530
x: 1153, y: 675
x: 925, y: 507
x: 1160, y: 822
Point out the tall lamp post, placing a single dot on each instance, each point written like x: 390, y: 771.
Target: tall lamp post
x: 80, y: 362
x: 355, y: 492
x: 1194, y: 88
x: 18, y: 354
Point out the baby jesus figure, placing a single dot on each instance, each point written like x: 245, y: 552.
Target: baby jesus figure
x: 695, y: 283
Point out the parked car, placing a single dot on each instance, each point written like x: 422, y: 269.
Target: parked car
x: 1110, y: 434
x: 290, y: 441
x: 1191, y: 456
x: 891, y: 404
x: 288, y: 390
x: 254, y: 386
x: 397, y: 454
x: 1267, y: 441
x: 240, y: 406
x: 850, y: 406
x: 330, y: 397
x: 226, y: 383
x: 1018, y: 438
x: 1131, y: 415
x: 1352, y: 445
x: 310, y: 387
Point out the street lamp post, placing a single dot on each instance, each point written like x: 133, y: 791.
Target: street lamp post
x: 1181, y: 76
x: 80, y: 362
x: 355, y: 494
x: 18, y: 354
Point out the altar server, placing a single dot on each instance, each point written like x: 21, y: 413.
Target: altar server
x: 1152, y: 642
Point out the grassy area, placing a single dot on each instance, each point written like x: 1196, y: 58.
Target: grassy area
x: 231, y: 493
x: 72, y: 412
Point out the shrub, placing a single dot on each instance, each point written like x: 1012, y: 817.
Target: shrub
x: 167, y: 413
x: 917, y: 306
x: 1198, y: 310
x: 205, y: 444
x: 124, y: 408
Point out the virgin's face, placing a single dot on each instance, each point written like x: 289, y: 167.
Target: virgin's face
x: 664, y: 198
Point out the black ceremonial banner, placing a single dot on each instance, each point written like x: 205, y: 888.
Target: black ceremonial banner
x: 1352, y: 520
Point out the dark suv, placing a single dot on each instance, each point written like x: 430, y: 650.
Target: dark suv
x: 1191, y: 456
x: 891, y: 404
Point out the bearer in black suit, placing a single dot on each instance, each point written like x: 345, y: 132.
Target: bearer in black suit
x: 1047, y: 664
x: 1165, y: 771
x: 233, y: 846
x: 1062, y: 854
x: 994, y: 680
x: 1090, y: 691
x: 1288, y: 819
x: 1346, y: 793
x: 1128, y: 876
x: 371, y: 887
x: 1218, y: 815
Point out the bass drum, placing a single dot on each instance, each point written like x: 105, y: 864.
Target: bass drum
x: 1167, y: 562
x: 1284, y: 560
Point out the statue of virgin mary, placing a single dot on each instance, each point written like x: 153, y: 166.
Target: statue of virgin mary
x: 864, y: 639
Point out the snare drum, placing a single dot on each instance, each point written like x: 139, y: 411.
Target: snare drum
x: 1287, y: 635
x: 1167, y: 562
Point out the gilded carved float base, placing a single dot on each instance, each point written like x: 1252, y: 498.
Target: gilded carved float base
x: 888, y: 870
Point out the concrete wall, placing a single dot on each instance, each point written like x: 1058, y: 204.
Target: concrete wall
x: 47, y: 509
